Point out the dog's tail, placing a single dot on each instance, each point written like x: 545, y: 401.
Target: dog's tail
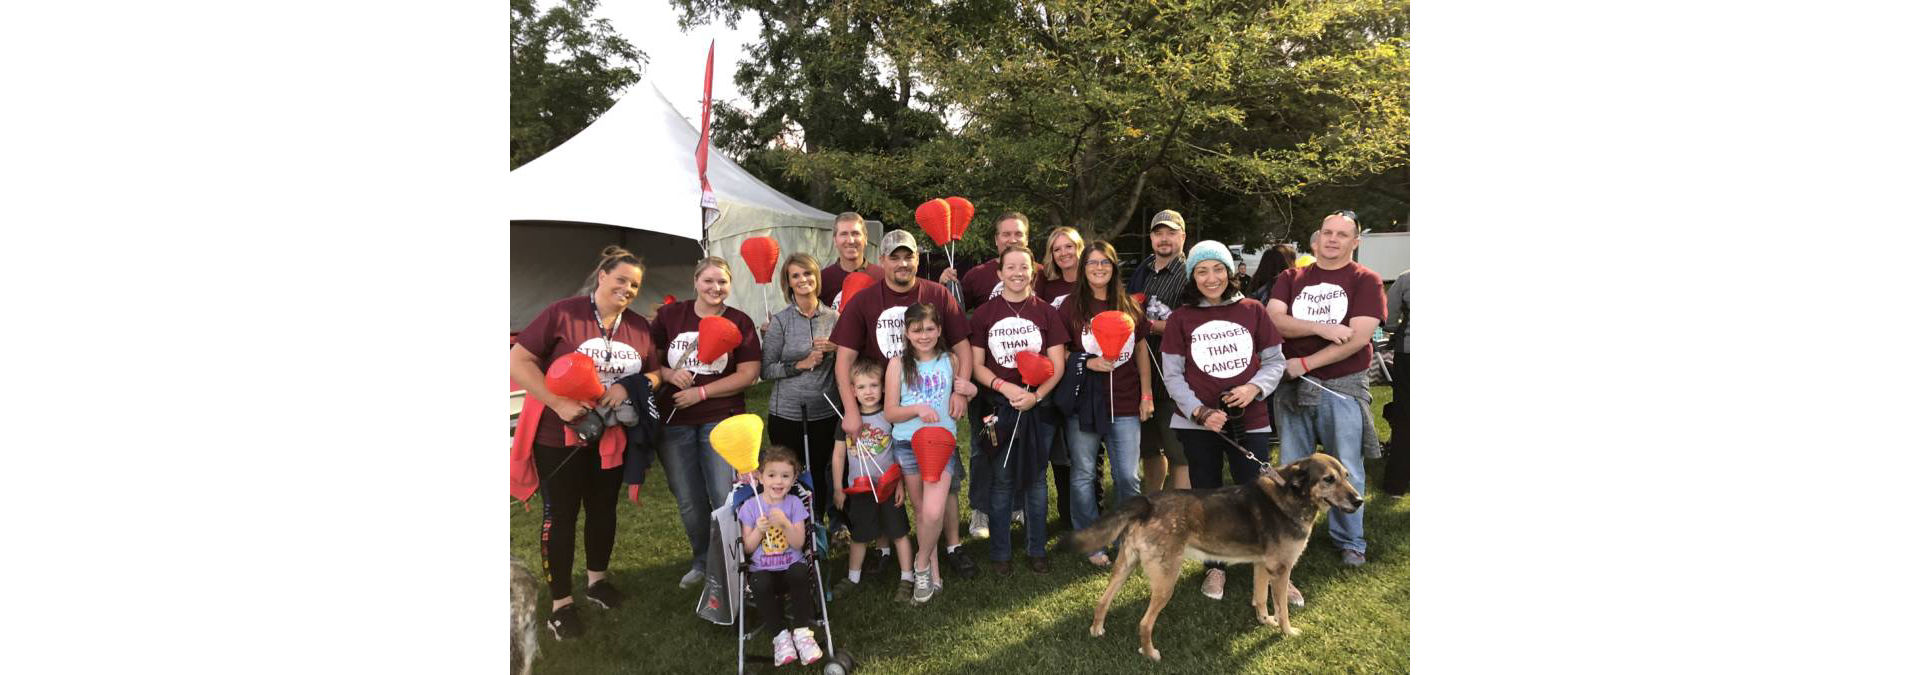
x: 1110, y: 526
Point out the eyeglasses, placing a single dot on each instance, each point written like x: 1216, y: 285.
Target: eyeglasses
x: 1099, y: 262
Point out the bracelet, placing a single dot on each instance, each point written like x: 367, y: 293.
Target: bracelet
x: 995, y: 386
x: 703, y: 392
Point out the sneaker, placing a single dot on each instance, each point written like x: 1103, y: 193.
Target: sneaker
x: 904, y: 593
x: 1216, y: 584
x: 1294, y: 597
x: 1020, y: 517
x: 979, y: 525
x: 803, y: 642
x: 960, y: 562
x: 844, y: 586
x: 922, y: 586
x: 605, y: 595
x: 783, y: 652
x: 565, y: 624
x: 693, y: 578
x: 1002, y: 567
x: 1352, y: 558
x: 1099, y: 559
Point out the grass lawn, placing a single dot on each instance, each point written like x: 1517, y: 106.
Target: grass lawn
x: 1355, y: 621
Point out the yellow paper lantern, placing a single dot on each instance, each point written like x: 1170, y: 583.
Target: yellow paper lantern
x: 737, y: 439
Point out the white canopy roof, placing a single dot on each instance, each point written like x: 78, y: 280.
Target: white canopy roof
x: 633, y: 168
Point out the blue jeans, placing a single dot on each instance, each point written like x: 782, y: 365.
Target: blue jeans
x: 1123, y: 445
x: 1338, y: 425
x: 1034, y: 496
x: 700, y: 480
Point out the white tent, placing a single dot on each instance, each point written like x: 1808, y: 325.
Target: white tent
x: 629, y: 179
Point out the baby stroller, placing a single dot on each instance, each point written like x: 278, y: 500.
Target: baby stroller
x: 727, y: 595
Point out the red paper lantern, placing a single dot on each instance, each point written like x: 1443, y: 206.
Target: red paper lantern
x: 856, y: 282
x: 933, y: 216
x: 961, y: 218
x: 574, y: 376
x: 667, y: 300
x: 1034, y: 368
x: 717, y: 337
x: 761, y: 254
x: 932, y: 446
x: 1112, y: 329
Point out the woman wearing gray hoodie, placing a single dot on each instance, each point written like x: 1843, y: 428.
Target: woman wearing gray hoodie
x: 798, y: 360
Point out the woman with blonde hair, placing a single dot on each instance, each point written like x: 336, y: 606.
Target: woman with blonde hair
x: 799, y: 362
x: 695, y: 395
x: 1062, y: 268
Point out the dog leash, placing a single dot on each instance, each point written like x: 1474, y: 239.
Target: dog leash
x: 1229, y: 439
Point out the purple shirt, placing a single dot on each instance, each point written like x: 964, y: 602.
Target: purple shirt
x: 775, y: 552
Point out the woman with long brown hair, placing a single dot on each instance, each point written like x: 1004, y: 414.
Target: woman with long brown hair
x: 1127, y: 383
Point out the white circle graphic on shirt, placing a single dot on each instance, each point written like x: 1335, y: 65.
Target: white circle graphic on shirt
x: 1092, y: 346
x: 1058, y: 300
x: 611, y: 364
x: 890, y: 332
x: 1221, y: 349
x: 1009, y: 335
x: 1320, y: 303
x: 836, y: 300
x: 687, y: 346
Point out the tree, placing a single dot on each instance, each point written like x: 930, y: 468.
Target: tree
x: 568, y: 67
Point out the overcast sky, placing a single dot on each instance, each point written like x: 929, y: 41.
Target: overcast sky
x: 675, y: 60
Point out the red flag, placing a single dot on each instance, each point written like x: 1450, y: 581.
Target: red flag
x: 706, y: 113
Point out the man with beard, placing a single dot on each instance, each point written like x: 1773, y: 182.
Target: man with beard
x: 1160, y: 277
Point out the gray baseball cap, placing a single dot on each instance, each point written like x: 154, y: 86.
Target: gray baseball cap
x: 898, y: 239
x: 1169, y: 218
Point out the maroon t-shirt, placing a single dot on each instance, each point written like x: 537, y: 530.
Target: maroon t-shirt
x: 569, y: 326
x: 874, y: 323
x: 1055, y: 291
x: 676, y: 330
x: 1003, y: 327
x: 1223, y: 350
x: 1331, y: 296
x: 833, y: 278
x: 980, y: 284
x: 1126, y: 373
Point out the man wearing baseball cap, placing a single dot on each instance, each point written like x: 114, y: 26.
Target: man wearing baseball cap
x: 872, y: 325
x: 1160, y: 277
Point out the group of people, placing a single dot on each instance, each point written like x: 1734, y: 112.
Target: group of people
x: 854, y: 378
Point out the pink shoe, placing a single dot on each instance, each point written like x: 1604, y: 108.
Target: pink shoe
x: 809, y: 650
x: 783, y: 649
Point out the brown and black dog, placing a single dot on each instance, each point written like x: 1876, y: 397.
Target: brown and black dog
x: 1265, y: 522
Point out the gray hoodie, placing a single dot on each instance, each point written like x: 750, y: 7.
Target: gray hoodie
x: 796, y: 392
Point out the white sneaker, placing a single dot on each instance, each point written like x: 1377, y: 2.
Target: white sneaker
x: 979, y: 525
x: 1020, y: 516
x: 922, y: 586
x: 783, y: 652
x: 1216, y: 584
x: 803, y: 642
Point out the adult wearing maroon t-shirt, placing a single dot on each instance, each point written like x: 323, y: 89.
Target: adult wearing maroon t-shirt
x: 695, y: 396
x: 1062, y: 271
x: 1327, y: 311
x: 981, y: 284
x: 872, y: 325
x: 600, y: 325
x: 1229, y: 361
x: 850, y: 241
x: 1017, y: 321
x: 1128, y: 388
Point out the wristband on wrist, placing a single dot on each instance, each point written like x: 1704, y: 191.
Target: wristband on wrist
x: 703, y: 392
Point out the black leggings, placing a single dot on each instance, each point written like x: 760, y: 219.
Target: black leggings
x: 1396, y: 482
x: 791, y: 588
x: 1206, y: 450
x: 563, y: 489
x: 815, y: 439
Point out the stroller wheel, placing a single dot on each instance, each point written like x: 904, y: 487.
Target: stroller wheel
x: 840, y: 664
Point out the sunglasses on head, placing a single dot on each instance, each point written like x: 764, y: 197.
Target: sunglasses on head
x: 1349, y: 215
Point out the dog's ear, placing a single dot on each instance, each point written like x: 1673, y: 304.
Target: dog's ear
x: 1294, y: 475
